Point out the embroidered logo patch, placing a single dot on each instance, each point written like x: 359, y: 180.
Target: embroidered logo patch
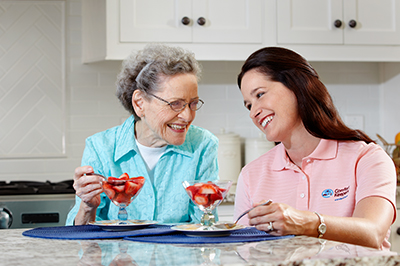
x: 338, y: 194
x: 327, y: 193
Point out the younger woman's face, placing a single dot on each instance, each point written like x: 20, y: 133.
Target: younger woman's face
x: 272, y: 106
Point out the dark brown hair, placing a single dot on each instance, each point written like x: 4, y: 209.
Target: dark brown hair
x: 315, y: 105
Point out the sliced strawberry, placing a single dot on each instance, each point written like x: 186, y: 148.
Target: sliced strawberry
x: 131, y: 188
x: 200, y: 199
x: 138, y: 180
x: 119, y: 188
x: 108, y: 190
x: 122, y: 198
x: 124, y: 176
x: 215, y: 197
x: 208, y: 189
x: 192, y: 190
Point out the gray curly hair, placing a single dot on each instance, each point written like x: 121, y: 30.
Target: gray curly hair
x: 144, y: 70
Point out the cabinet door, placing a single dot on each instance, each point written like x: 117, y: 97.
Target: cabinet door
x: 155, y: 21
x: 377, y: 22
x: 309, y: 21
x: 227, y: 21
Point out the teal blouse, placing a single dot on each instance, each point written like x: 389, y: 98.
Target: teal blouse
x: 114, y: 152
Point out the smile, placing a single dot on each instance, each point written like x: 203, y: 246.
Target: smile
x: 267, y: 120
x: 177, y: 127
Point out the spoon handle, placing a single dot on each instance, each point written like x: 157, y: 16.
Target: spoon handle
x: 246, y: 212
x: 105, y: 178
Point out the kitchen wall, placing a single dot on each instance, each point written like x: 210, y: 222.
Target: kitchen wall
x: 368, y: 90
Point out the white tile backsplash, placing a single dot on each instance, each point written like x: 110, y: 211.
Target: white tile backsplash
x: 367, y: 89
x: 32, y: 81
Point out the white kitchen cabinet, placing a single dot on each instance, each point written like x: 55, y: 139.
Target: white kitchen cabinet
x: 232, y: 29
x: 328, y: 22
x: 207, y: 21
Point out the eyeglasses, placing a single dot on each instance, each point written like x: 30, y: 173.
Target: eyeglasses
x: 179, y: 105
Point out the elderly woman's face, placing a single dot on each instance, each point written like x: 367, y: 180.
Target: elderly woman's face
x: 164, y: 125
x: 273, y: 107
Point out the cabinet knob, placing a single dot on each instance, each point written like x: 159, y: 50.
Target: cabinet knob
x: 398, y: 231
x: 352, y: 23
x: 201, y: 21
x: 185, y: 21
x: 337, y: 23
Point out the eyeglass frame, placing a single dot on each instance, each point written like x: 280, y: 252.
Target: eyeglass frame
x: 170, y: 103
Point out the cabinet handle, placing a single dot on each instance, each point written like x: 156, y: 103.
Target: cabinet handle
x: 352, y: 23
x: 201, y: 21
x: 185, y: 21
x: 337, y: 23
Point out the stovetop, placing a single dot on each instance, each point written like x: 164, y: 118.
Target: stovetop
x: 34, y: 187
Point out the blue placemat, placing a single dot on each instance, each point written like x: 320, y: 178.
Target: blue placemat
x: 94, y: 232
x: 249, y: 234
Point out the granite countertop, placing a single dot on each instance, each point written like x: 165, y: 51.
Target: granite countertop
x: 17, y: 249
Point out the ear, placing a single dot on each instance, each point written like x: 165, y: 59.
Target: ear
x: 138, y: 102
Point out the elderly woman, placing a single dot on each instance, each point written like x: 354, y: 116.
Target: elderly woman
x: 158, y: 86
x: 325, y: 179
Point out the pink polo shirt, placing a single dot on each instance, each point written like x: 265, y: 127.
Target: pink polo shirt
x: 333, y: 179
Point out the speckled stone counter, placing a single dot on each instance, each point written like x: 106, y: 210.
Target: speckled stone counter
x: 16, y: 249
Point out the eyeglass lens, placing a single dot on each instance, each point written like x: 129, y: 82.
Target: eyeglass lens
x: 180, y: 105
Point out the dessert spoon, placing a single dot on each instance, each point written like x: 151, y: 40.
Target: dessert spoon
x: 229, y: 226
x: 249, y: 210
x: 105, y: 178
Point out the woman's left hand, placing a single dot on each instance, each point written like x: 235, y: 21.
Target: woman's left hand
x: 282, y: 219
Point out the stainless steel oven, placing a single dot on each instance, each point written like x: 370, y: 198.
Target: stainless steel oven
x: 27, y: 204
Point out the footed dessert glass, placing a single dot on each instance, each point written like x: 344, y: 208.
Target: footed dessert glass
x: 207, y: 195
x: 122, y: 191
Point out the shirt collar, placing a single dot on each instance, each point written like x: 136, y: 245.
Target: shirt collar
x: 326, y: 149
x: 125, y: 141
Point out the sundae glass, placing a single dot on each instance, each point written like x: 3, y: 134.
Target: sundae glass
x: 207, y: 195
x: 122, y: 191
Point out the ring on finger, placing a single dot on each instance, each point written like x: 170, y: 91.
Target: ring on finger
x: 270, y: 227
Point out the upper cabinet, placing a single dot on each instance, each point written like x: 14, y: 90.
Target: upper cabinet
x: 210, y: 28
x: 230, y: 30
x: 193, y: 21
x: 350, y: 22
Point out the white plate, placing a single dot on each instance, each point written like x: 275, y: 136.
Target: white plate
x: 116, y: 225
x: 217, y: 230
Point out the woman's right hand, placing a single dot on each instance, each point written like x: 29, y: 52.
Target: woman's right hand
x: 88, y: 187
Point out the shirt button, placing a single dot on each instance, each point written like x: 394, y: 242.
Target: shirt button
x: 303, y: 177
x: 302, y: 195
x: 308, y: 160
